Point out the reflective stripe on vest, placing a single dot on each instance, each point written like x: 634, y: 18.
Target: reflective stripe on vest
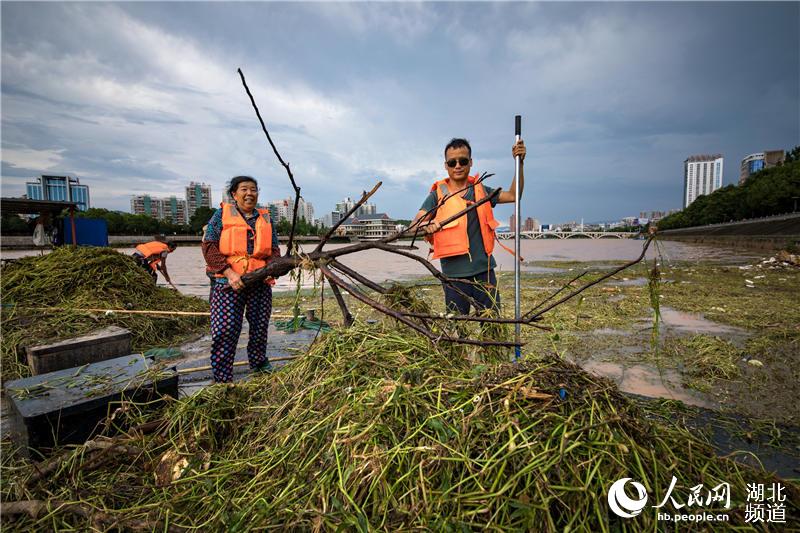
x: 150, y: 249
x: 233, y: 240
x: 453, y: 238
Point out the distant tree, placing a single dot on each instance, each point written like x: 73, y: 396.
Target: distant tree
x: 793, y: 155
x: 200, y: 218
x: 12, y: 224
x: 304, y: 227
x: 767, y: 192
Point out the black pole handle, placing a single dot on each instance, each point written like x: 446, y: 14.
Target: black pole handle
x: 518, y: 125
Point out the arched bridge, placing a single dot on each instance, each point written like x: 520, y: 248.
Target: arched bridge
x: 569, y: 235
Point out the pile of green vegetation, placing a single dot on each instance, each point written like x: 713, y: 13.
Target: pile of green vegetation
x: 765, y: 193
x: 378, y: 429
x: 75, y: 279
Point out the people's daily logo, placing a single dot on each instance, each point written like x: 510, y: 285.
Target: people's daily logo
x: 765, y: 502
x: 621, y: 503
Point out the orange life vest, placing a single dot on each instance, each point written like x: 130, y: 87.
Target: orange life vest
x: 233, y: 240
x: 152, y: 252
x: 453, y: 238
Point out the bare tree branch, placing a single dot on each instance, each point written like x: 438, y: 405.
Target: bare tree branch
x: 562, y: 288
x: 353, y: 291
x: 344, y: 269
x: 278, y: 155
x: 348, y: 318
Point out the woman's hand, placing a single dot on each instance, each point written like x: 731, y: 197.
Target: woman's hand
x: 234, y: 279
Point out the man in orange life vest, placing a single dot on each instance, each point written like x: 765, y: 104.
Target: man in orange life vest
x: 239, y: 238
x: 464, y: 246
x: 152, y: 256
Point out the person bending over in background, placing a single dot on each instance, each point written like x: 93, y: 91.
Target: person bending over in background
x: 152, y: 256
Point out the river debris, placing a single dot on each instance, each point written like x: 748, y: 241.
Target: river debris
x: 47, y: 297
x: 781, y: 260
x: 377, y: 428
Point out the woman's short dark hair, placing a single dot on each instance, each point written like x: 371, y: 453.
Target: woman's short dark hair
x: 458, y: 143
x: 172, y: 245
x: 237, y: 180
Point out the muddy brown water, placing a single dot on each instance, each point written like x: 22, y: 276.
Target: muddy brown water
x: 650, y: 381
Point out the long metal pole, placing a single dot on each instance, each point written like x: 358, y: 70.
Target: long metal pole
x: 518, y: 134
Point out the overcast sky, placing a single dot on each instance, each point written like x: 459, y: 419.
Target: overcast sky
x: 142, y: 98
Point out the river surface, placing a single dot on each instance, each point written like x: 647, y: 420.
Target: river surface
x: 187, y: 267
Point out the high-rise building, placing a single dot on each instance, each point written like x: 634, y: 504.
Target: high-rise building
x: 197, y: 195
x: 345, y: 205
x: 329, y: 219
x: 529, y: 224
x: 283, y: 209
x: 702, y: 174
x: 280, y: 209
x: 144, y: 204
x: 59, y: 189
x: 365, y: 209
x: 172, y: 209
x: 305, y: 210
x: 759, y: 161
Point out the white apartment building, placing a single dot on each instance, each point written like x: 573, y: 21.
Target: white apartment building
x: 197, y: 195
x: 347, y: 204
x: 702, y: 174
x: 283, y: 209
x: 172, y: 208
x: 370, y: 227
x: 329, y: 219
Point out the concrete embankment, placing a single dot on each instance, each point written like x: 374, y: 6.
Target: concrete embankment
x: 764, y: 234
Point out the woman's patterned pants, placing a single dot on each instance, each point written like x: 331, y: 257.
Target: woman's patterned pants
x: 227, y: 309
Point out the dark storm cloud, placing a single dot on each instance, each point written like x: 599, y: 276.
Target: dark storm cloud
x: 614, y: 96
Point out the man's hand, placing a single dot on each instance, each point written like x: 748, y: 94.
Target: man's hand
x: 507, y: 197
x: 431, y: 227
x: 518, y: 150
x: 234, y: 279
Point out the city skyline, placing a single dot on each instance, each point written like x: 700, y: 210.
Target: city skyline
x: 199, y: 195
x: 614, y: 97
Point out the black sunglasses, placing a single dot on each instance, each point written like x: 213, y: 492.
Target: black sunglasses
x: 463, y: 161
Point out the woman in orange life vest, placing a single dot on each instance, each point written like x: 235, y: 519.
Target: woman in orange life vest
x: 464, y: 247
x: 238, y: 239
x: 152, y: 256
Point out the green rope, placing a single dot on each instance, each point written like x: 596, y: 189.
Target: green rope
x: 301, y: 322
